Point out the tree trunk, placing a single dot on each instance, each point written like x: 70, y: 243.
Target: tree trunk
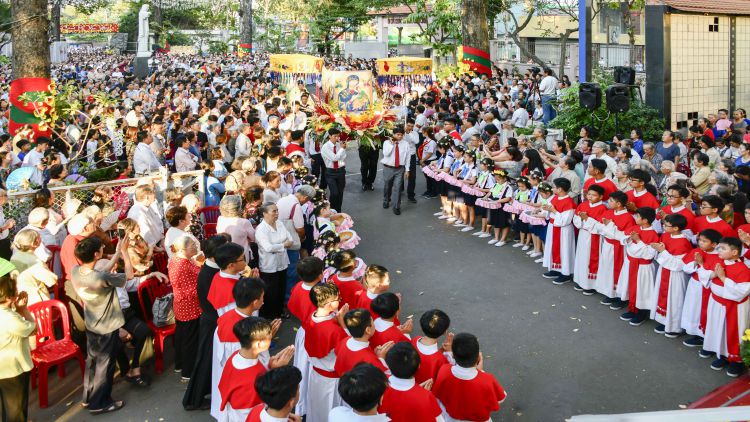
x: 475, y: 34
x: 30, y: 39
x: 400, y: 30
x: 158, y: 22
x: 246, y: 16
x: 564, y: 50
x: 55, y: 25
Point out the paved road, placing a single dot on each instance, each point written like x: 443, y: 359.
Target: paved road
x: 557, y: 353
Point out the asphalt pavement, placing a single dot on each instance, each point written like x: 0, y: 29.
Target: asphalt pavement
x: 556, y: 352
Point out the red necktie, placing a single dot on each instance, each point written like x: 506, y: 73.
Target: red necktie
x: 335, y: 163
x: 398, y: 162
x: 317, y: 145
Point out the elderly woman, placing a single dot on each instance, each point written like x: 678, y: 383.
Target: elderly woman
x: 38, y: 219
x: 273, y: 239
x: 621, y: 177
x: 669, y: 176
x: 34, y: 277
x: 94, y: 213
x: 654, y: 161
x: 231, y: 222
x: 719, y: 181
x: 700, y: 176
x: 44, y: 198
x: 18, y: 325
x: 184, y: 267
x: 192, y: 203
x: 179, y: 220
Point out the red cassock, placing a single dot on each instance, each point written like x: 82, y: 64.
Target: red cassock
x: 392, y: 333
x: 349, y: 289
x: 254, y: 415
x: 470, y: 400
x: 596, y: 213
x: 561, y: 206
x: 413, y: 405
x: 624, y: 223
x: 739, y: 273
x: 300, y: 304
x: 346, y: 358
x: 322, y: 337
x: 701, y: 223
x: 675, y: 247
x: 606, y: 184
x: 645, y: 200
x: 237, y: 386
x: 429, y: 364
x: 225, y: 326
x: 709, y: 263
x: 685, y: 212
x: 220, y: 294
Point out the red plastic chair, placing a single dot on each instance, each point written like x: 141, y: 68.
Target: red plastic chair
x: 49, y: 351
x: 161, y: 261
x: 148, y: 292
x: 209, y: 229
x: 210, y: 214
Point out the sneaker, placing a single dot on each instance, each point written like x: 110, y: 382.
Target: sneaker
x: 673, y: 334
x: 459, y: 223
x: 438, y: 214
x: 606, y: 301
x: 526, y: 247
x: 492, y: 242
x: 443, y: 217
x: 659, y: 329
x: 719, y: 364
x: 562, y: 280
x: 693, y: 341
x: 552, y: 274
x: 536, y: 254
x: 467, y: 229
x: 704, y: 354
x: 451, y: 219
x: 638, y: 319
x: 577, y: 288
x: 517, y: 245
x: 484, y: 235
x: 500, y: 243
x: 617, y: 304
x: 478, y: 233
x: 627, y: 316
x: 735, y: 369
x: 589, y: 292
x: 539, y: 261
x: 184, y: 380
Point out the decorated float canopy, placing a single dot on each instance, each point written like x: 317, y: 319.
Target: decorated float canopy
x: 402, y: 72
x: 286, y: 69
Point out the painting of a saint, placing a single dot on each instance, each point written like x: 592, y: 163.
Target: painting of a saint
x: 353, y: 98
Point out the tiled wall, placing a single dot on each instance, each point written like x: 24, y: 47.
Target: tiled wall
x: 700, y: 66
x: 743, y: 62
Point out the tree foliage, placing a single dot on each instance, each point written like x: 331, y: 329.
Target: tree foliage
x: 572, y: 116
x: 439, y: 22
x: 276, y: 37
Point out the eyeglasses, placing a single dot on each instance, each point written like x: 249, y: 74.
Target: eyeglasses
x: 674, y: 196
x: 706, y: 207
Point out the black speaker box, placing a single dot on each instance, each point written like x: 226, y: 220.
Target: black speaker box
x: 618, y: 98
x: 590, y: 95
x: 624, y: 75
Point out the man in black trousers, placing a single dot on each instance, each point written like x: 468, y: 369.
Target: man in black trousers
x: 334, y: 157
x: 368, y: 157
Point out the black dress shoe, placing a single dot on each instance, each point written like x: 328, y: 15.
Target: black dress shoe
x: 364, y: 188
x: 386, y: 205
x: 412, y: 200
x: 397, y: 211
x: 371, y: 187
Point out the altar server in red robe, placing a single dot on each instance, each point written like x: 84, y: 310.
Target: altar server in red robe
x: 588, y: 216
x: 405, y: 400
x: 279, y: 390
x: 636, y: 283
x: 559, y: 249
x: 699, y: 264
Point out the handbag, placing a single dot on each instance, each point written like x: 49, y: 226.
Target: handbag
x: 162, y: 310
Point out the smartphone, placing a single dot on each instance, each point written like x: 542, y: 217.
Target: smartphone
x: 121, y: 233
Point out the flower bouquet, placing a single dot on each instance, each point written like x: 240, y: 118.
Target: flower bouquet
x: 367, y: 127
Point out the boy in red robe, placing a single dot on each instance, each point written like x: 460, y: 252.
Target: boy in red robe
x: 559, y: 249
x: 711, y: 206
x: 699, y: 263
x: 616, y: 225
x: 362, y: 389
x: 248, y: 296
x: 386, y: 306
x: 669, y: 290
x: 405, y: 400
x: 279, y: 390
x: 636, y: 283
x: 230, y: 258
x: 434, y: 324
x: 310, y: 271
x: 356, y: 348
x: 464, y: 390
x: 376, y: 281
x: 324, y: 331
x: 676, y: 204
x: 237, y: 383
x: 639, y: 196
x: 349, y: 287
x: 587, y: 218
x: 728, y: 308
x: 597, y: 169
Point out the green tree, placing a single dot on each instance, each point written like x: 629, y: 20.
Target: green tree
x: 276, y: 37
x: 439, y: 22
x: 329, y: 20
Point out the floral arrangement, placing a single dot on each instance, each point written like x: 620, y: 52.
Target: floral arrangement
x: 745, y: 347
x: 367, y: 127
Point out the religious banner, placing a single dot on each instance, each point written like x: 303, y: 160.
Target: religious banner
x: 89, y: 28
x: 288, y: 69
x: 182, y: 49
x: 350, y: 92
x: 400, y: 73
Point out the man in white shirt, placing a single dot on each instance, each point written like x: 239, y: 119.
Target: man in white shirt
x: 144, y: 159
x: 411, y: 136
x: 396, y: 155
x: 184, y: 160
x: 548, y: 89
x: 520, y: 117
x: 148, y: 219
x: 35, y: 158
x: 469, y: 129
x: 333, y: 153
x: 243, y: 145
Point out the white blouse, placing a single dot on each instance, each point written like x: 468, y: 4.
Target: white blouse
x: 271, y: 250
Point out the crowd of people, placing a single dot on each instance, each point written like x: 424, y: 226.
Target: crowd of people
x: 671, y: 214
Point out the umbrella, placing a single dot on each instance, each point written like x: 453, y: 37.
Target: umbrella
x: 18, y: 179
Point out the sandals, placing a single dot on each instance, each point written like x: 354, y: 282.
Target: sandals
x: 115, y: 406
x: 138, y: 381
